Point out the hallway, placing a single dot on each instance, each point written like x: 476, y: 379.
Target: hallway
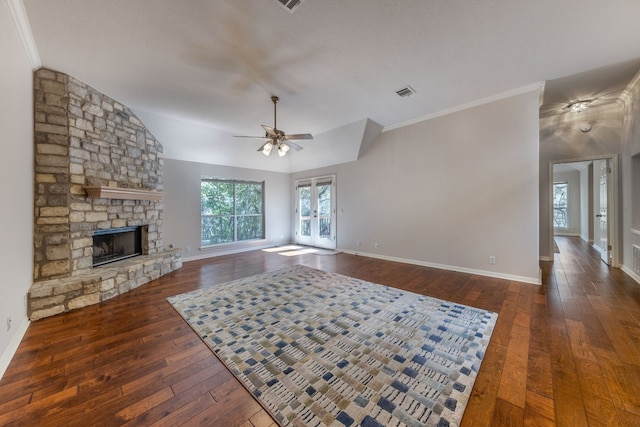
x: 594, y: 334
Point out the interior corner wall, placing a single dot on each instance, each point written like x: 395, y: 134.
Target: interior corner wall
x: 451, y: 191
x: 562, y: 141
x: 182, y: 207
x: 630, y: 187
x: 16, y: 184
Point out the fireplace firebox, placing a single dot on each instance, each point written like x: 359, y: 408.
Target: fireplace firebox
x: 115, y: 244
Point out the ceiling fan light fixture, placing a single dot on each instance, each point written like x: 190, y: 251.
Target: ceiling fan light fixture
x: 282, y: 149
x: 277, y: 138
x: 266, y: 150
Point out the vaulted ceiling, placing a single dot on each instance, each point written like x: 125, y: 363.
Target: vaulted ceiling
x: 332, y: 62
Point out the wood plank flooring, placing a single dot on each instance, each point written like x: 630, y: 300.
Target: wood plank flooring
x: 566, y: 353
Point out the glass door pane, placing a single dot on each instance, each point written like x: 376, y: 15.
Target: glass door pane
x: 316, y: 213
x: 324, y: 210
x: 305, y: 211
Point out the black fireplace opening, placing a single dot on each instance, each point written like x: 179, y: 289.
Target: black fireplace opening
x: 115, y: 244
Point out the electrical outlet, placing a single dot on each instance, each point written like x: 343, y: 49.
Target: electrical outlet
x: 8, y: 323
x: 492, y: 260
x: 375, y: 245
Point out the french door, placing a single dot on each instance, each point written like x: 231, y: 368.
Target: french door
x: 316, y: 212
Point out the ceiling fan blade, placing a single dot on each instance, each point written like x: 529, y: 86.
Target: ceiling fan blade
x: 295, y: 136
x: 246, y: 136
x: 292, y: 145
x: 270, y: 131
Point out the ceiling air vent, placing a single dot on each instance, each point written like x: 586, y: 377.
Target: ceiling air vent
x: 290, y: 5
x: 405, y: 91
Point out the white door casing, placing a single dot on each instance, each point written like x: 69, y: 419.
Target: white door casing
x: 602, y: 216
x: 612, y: 205
x: 315, y: 212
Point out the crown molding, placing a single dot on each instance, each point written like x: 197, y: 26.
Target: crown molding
x: 24, y: 29
x: 539, y: 86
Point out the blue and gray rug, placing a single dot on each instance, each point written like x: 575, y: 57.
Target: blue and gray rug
x: 322, y: 349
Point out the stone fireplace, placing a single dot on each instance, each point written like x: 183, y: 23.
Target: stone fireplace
x: 116, y: 244
x: 96, y: 168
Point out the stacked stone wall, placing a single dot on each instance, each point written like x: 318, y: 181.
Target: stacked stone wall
x: 51, y: 297
x: 85, y: 138
x: 52, y: 251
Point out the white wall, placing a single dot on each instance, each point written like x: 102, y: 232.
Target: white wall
x: 448, y: 192
x: 562, y: 140
x: 630, y: 169
x: 182, y: 206
x: 16, y: 184
x: 573, y: 202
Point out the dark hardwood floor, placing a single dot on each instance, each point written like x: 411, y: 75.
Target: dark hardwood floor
x: 566, y: 353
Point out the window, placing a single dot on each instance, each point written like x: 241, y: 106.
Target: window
x: 560, y: 207
x: 231, y: 211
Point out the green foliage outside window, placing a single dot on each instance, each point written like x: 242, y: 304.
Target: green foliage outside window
x: 231, y: 211
x: 560, y: 205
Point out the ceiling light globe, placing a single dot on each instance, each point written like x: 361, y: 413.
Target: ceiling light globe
x: 282, y: 149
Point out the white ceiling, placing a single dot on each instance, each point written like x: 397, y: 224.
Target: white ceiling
x: 601, y: 86
x: 332, y: 62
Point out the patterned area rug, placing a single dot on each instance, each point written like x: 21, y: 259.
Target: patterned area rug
x: 322, y: 349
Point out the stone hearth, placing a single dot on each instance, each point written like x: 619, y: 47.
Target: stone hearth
x: 86, y: 140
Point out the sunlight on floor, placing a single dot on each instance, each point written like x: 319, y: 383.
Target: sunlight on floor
x: 291, y: 250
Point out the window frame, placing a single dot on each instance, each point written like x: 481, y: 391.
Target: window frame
x: 558, y: 207
x: 235, y: 215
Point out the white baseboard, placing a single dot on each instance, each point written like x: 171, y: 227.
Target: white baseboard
x: 546, y: 258
x: 630, y: 273
x: 13, y: 346
x: 531, y: 280
x: 525, y: 279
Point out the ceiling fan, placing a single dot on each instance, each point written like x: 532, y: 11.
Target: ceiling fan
x: 277, y: 138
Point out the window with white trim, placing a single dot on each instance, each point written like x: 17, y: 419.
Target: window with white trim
x: 231, y: 211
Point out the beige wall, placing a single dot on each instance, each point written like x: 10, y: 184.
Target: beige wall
x: 182, y: 206
x: 448, y: 192
x: 16, y: 184
x: 631, y: 174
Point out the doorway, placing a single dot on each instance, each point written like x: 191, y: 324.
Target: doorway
x: 316, y: 212
x: 592, y: 205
